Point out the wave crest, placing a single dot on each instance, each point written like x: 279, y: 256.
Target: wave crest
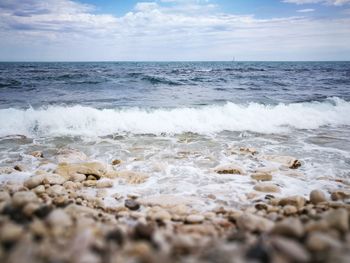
x: 255, y: 117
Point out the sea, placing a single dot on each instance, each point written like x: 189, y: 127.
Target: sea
x: 177, y: 121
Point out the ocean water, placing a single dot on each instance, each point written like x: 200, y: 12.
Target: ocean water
x: 176, y: 121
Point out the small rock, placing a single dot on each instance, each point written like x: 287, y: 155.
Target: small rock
x: 34, y: 181
x: 261, y: 176
x: 56, y: 190
x: 91, y: 177
x: 30, y: 208
x: 297, y: 201
x: 290, y: 210
x: 40, y: 189
x: 338, y: 219
x: 248, y: 150
x: 143, y: 232
x: 117, y: 196
x: 4, y: 196
x: 72, y: 185
x: 294, y: 251
x: 267, y: 188
x: 104, y: 184
x: 37, y: 154
x: 78, y: 177
x: 116, y: 162
x: 194, y: 219
x: 132, y: 204
x: 229, y: 169
x: 252, y: 223
x: 38, y: 228
x: 59, y: 217
x: 22, y: 198
x: 340, y: 195
x: 61, y: 200
x: 287, y: 161
x: 90, y: 183
x: 10, y: 233
x: 318, y: 242
x: 317, y: 196
x: 291, y: 227
x: 133, y: 196
x: 19, y: 167
x: 161, y: 215
x: 54, y: 179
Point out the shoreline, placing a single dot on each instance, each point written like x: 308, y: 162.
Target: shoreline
x: 52, y: 216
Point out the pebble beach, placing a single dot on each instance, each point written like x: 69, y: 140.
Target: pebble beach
x: 174, y: 162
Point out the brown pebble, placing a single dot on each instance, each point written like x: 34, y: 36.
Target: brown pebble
x: 116, y: 162
x: 317, y: 196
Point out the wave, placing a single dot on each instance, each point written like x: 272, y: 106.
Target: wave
x: 255, y: 117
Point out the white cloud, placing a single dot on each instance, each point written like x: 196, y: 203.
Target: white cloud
x: 67, y: 30
x: 328, y: 2
x: 307, y: 10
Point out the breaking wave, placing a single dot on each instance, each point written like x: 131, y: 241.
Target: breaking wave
x: 255, y: 117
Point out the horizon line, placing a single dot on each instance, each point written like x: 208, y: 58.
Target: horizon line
x: 164, y: 61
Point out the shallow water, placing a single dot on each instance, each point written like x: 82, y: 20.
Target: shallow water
x: 177, y: 121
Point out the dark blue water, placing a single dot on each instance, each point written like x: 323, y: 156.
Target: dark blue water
x: 173, y: 84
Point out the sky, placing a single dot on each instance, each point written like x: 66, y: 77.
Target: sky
x: 174, y: 30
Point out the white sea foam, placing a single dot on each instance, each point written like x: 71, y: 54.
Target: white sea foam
x: 88, y: 121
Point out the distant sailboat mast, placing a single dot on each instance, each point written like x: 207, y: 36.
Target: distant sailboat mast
x: 234, y: 59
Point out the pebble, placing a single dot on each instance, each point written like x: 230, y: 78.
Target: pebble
x: 10, y: 232
x: 22, y: 198
x: 229, y: 169
x: 317, y: 196
x: 132, y: 204
x: 252, y: 223
x: 4, y: 196
x: 261, y: 176
x: 289, y: 210
x: 56, y: 190
x: 117, y: 196
x: 104, y: 184
x: 194, y: 219
x: 30, y: 208
x: 318, y: 242
x: 54, y: 179
x: 287, y: 161
x: 19, y: 167
x: 267, y: 188
x: 34, y: 181
x: 72, y: 185
x: 37, y: 154
x: 161, y: 215
x: 297, y: 201
x: 338, y: 219
x: 133, y: 195
x: 39, y: 189
x: 59, y: 218
x: 294, y: 251
x: 291, y: 227
x: 77, y: 177
x: 339, y: 195
x: 90, y: 183
x: 116, y: 162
